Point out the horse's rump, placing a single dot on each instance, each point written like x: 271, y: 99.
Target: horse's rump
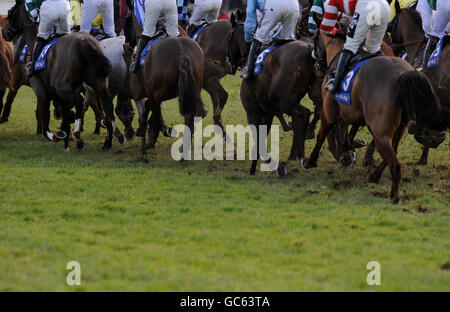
x: 74, y: 59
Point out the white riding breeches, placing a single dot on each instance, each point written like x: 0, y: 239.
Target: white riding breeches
x: 207, y: 9
x: 89, y: 11
x: 285, y: 12
x: 54, y: 13
x: 156, y: 9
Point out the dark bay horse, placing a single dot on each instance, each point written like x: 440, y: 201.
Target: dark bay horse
x: 384, y: 105
x: 408, y: 36
x: 173, y: 67
x: 287, y: 76
x: 75, y: 61
x: 6, y: 62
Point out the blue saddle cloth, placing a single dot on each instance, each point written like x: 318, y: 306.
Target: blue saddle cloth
x: 145, y: 51
x: 261, y: 58
x: 41, y: 62
x: 435, y: 58
x: 345, y: 94
x: 199, y: 31
x: 23, y: 54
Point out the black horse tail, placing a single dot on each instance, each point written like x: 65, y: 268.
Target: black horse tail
x: 95, y: 59
x: 188, y: 95
x: 421, y: 103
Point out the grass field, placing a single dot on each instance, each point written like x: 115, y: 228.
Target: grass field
x: 209, y: 226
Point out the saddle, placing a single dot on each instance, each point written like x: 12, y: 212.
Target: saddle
x: 195, y: 32
x: 362, y: 55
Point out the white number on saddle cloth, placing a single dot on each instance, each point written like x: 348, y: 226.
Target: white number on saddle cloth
x: 346, y: 84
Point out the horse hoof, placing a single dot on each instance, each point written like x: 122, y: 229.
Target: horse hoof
x: 67, y: 150
x: 102, y: 124
x: 130, y: 135
x: 106, y: 146
x: 395, y: 200
x: 81, y: 146
x: 121, y: 140
x: 373, y: 178
x: 292, y: 157
x: 61, y: 135
x: 170, y: 133
x: 310, y: 136
x: 368, y: 162
x: 140, y: 132
x: 281, y: 172
x: 3, y: 120
x: 357, y: 143
x: 348, y: 160
x: 305, y: 166
x: 422, y: 163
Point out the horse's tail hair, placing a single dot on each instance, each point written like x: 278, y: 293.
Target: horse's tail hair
x: 421, y: 102
x: 5, y: 66
x: 96, y: 60
x: 188, y: 96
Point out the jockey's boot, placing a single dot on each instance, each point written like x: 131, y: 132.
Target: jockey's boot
x: 429, y: 49
x: 247, y: 71
x: 143, y: 41
x: 191, y: 30
x: 333, y: 84
x: 34, y: 56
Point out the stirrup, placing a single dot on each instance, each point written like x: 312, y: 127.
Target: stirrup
x: 329, y: 86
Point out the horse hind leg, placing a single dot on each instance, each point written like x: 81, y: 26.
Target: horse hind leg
x: 8, y: 104
x: 300, y: 122
x: 219, y: 97
x: 2, y: 94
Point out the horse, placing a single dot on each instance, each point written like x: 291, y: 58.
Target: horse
x: 286, y: 77
x: 173, y: 67
x: 386, y: 106
x: 6, y: 61
x: 76, y: 60
x: 118, y: 85
x: 408, y: 36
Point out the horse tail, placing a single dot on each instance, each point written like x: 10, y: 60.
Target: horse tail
x: 421, y: 102
x: 188, y: 95
x: 5, y: 66
x: 95, y: 59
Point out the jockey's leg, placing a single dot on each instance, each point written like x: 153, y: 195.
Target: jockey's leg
x: 270, y: 19
x: 108, y: 19
x: 64, y: 22
x: 196, y: 19
x: 212, y: 14
x: 142, y: 43
x: 289, y: 21
x: 171, y: 17
x: 427, y: 15
x: 89, y: 10
x: 377, y: 31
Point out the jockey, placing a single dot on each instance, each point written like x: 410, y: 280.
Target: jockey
x: 274, y: 11
x: 434, y: 27
x: 154, y: 9
x: 183, y: 10
x: 203, y: 9
x: 90, y: 10
x: 316, y: 11
x: 370, y: 21
x: 52, y: 13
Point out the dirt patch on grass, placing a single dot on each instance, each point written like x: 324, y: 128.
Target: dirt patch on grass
x: 380, y: 194
x: 421, y: 209
x: 446, y: 266
x: 346, y: 184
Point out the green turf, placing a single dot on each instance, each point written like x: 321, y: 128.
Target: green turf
x: 209, y: 226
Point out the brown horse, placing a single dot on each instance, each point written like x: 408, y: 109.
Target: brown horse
x: 408, y: 36
x: 173, y: 67
x: 385, y: 106
x: 287, y: 76
x: 75, y: 60
x: 6, y: 62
